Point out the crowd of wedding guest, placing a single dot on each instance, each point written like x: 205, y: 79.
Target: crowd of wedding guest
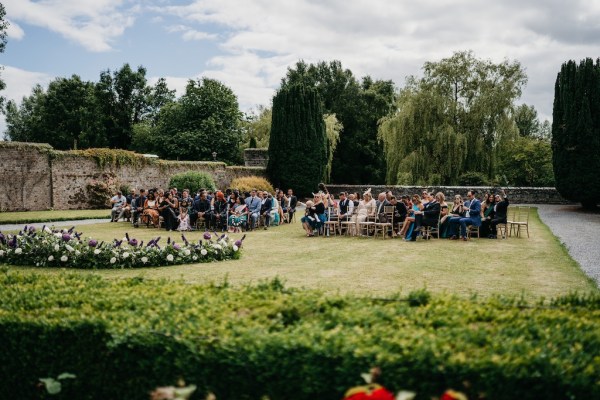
x: 410, y: 215
x: 228, y: 210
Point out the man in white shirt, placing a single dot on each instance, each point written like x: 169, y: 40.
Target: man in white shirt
x: 118, y: 202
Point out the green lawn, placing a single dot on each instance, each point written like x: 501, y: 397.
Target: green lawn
x: 27, y: 217
x: 536, y: 267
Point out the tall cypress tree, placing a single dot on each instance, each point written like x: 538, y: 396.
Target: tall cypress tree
x: 298, y: 142
x: 576, y: 132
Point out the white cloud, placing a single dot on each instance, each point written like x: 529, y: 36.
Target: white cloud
x: 390, y: 40
x: 94, y: 24
x: 14, y: 31
x: 19, y: 83
x: 190, y: 33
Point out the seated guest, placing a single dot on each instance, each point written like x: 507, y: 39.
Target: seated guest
x: 367, y: 208
x: 430, y: 215
x: 186, y: 202
x: 487, y: 214
x: 353, y: 197
x: 415, y: 209
x: 238, y: 216
x: 219, y: 212
x: 200, y: 210
x: 389, y: 195
x: 345, y: 207
x: 138, y: 208
x: 126, y: 210
x: 118, y: 201
x: 254, y: 204
x: 266, y: 208
x: 472, y: 217
x: 380, y: 203
x: 500, y: 213
x: 167, y: 209
x: 315, y: 215
x: 400, y: 212
x: 456, y: 211
x: 151, y: 209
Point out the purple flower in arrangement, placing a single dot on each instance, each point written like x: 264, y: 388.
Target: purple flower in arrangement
x: 127, y: 236
x: 238, y: 243
x: 25, y: 229
x: 243, y: 237
x: 2, y: 238
x: 142, y: 243
x: 222, y: 236
x: 184, y: 239
x: 118, y: 243
x: 13, y: 242
x: 101, y: 243
x: 93, y: 243
x: 66, y: 237
x: 206, y: 235
x: 133, y: 242
x: 169, y: 240
x: 78, y: 236
x: 176, y: 246
x: 71, y: 230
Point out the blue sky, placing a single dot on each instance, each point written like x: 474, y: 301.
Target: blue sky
x: 248, y: 44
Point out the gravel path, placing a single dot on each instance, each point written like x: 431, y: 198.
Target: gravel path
x: 579, y: 230
x: 15, y: 227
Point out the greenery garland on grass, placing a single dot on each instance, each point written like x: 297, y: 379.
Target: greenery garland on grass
x: 67, y: 249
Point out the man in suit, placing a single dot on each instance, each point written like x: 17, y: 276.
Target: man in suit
x: 200, y: 209
x: 472, y: 217
x: 266, y: 207
x: 500, y: 212
x: 290, y: 205
x: 380, y: 204
x: 138, y: 208
x: 254, y: 205
x: 429, y: 217
x: 345, y: 207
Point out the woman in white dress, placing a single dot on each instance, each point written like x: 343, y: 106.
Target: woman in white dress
x: 366, y: 208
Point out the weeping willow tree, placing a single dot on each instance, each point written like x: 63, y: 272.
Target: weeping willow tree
x: 451, y: 121
x: 333, y: 127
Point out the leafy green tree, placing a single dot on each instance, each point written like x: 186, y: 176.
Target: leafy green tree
x: 298, y: 142
x: 123, y: 100
x: 526, y: 118
x: 3, y: 35
x: 451, y: 120
x: 576, y: 132
x: 333, y: 127
x: 64, y: 115
x: 358, y: 106
x: 204, y: 120
x: 526, y: 161
x: 258, y: 127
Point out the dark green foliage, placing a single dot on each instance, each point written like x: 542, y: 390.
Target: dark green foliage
x: 193, y: 181
x: 204, y: 120
x: 298, y: 143
x: 576, y: 132
x: 526, y: 162
x: 358, y: 106
x: 473, y: 179
x: 252, y: 144
x: 122, y: 338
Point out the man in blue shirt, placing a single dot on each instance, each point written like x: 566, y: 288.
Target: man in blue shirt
x: 472, y: 217
x: 254, y: 204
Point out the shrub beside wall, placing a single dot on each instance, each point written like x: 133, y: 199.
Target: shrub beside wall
x: 248, y: 183
x: 123, y: 338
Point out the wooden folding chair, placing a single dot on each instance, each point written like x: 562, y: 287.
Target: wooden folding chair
x: 388, y: 211
x: 521, y: 220
x: 331, y: 223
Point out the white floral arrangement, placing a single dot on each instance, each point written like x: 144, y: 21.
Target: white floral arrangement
x: 68, y: 249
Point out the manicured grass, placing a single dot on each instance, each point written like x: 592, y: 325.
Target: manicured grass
x: 536, y: 267
x: 28, y: 217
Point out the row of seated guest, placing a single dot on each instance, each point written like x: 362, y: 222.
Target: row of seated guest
x: 417, y: 213
x: 217, y: 211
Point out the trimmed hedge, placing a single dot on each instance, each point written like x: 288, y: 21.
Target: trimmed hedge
x: 123, y: 338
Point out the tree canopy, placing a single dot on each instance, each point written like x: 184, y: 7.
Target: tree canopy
x: 451, y: 120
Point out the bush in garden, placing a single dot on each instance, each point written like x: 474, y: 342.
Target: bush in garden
x: 269, y: 340
x: 247, y: 183
x: 193, y: 181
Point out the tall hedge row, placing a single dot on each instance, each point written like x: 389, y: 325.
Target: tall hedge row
x: 298, y: 142
x: 576, y: 132
x: 123, y: 338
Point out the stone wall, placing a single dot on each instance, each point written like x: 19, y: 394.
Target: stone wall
x: 256, y: 157
x: 35, y: 177
x: 517, y: 195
